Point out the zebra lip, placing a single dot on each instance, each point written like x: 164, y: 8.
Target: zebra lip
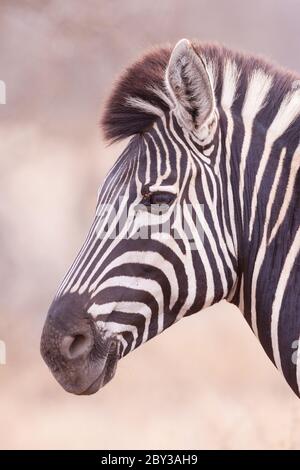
x: 94, y: 387
x: 107, y: 373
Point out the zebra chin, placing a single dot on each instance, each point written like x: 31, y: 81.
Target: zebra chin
x: 80, y: 356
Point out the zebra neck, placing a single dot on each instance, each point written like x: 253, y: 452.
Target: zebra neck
x: 264, y: 170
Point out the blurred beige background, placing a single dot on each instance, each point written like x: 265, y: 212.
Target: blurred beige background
x: 205, y: 383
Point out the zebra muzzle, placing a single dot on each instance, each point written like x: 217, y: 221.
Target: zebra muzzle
x: 80, y: 356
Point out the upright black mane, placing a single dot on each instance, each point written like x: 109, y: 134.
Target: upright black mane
x: 121, y: 119
x: 144, y: 82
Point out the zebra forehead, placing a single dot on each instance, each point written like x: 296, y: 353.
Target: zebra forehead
x: 140, y: 96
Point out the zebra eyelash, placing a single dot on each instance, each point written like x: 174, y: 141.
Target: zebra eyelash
x: 156, y: 202
x: 158, y: 198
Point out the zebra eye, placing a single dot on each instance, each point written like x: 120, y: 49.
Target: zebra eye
x: 158, y: 198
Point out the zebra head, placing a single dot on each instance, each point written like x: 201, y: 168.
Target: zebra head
x: 160, y: 247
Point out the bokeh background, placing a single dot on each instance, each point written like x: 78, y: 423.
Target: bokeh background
x: 205, y: 383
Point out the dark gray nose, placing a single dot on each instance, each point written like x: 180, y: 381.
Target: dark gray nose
x: 68, y: 329
x: 67, y: 341
x: 80, y: 356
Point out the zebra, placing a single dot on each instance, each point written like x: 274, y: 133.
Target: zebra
x: 208, y: 191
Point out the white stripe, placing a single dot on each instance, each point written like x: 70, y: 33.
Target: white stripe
x: 230, y: 81
x: 127, y: 307
x: 81, y: 260
x: 281, y: 286
x: 286, y: 114
x: 145, y: 106
x: 257, y: 90
x: 261, y: 254
x: 295, y: 165
x: 137, y: 283
x: 143, y: 257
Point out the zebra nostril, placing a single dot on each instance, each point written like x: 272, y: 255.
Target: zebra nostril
x: 73, y: 347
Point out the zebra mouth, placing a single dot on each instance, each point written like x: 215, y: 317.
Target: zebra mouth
x: 108, y: 371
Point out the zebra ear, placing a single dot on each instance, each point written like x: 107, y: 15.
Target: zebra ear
x: 190, y: 87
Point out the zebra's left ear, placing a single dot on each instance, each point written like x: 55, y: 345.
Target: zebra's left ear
x: 190, y: 87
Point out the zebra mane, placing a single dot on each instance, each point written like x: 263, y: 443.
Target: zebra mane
x: 140, y: 96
